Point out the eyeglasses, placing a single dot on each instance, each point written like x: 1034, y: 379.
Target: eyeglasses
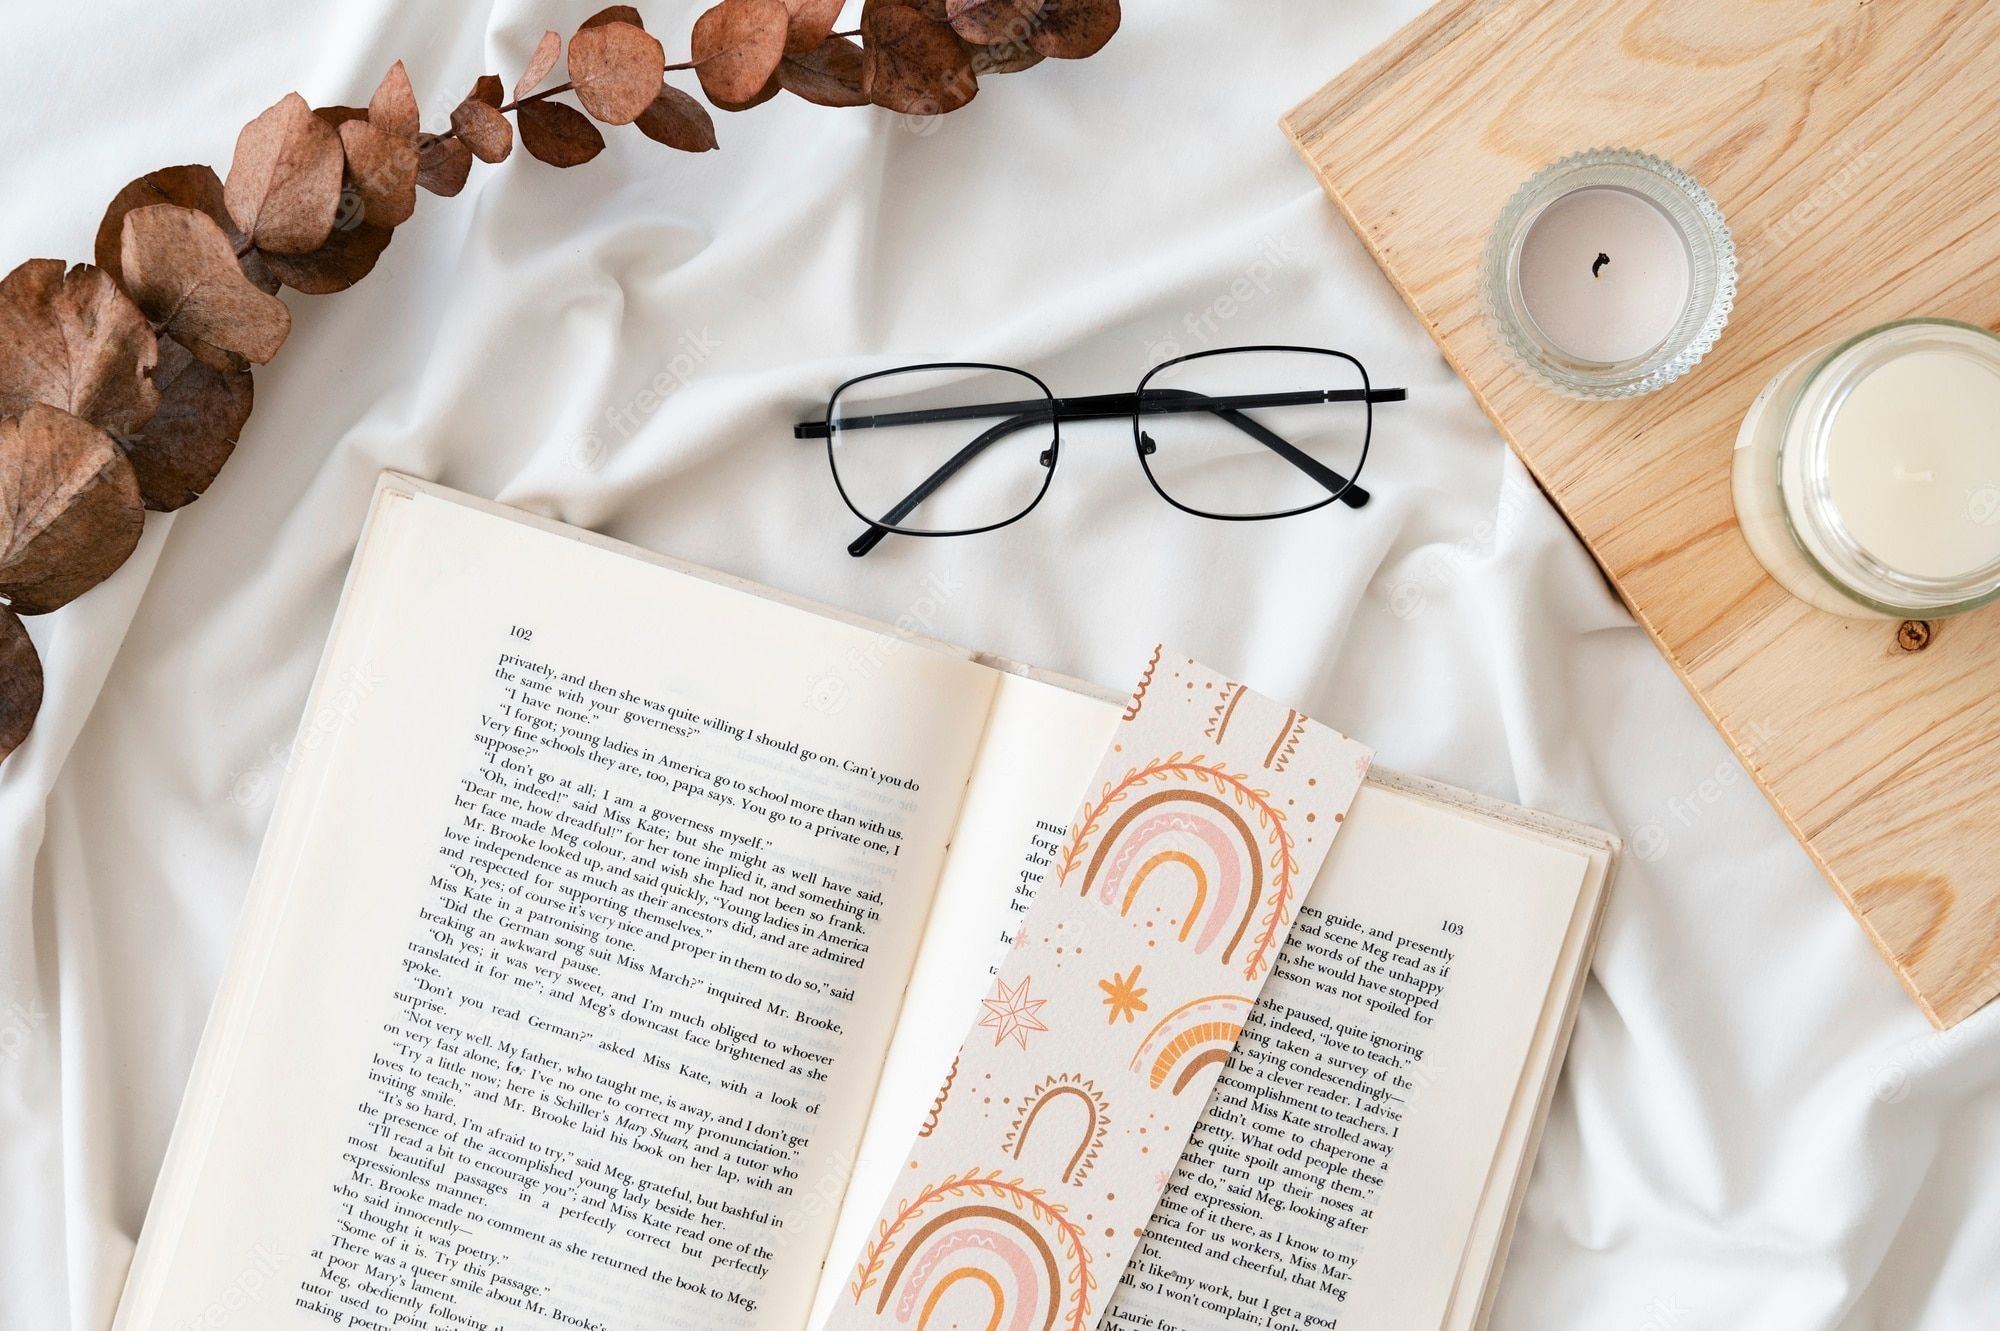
x: 1238, y: 434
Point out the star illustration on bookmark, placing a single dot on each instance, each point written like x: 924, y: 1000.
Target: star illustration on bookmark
x: 1124, y: 995
x: 1013, y: 1013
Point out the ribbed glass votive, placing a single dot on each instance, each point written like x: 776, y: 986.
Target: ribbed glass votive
x: 1609, y: 274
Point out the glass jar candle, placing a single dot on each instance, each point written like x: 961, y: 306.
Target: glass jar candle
x: 1867, y: 474
x: 1610, y: 273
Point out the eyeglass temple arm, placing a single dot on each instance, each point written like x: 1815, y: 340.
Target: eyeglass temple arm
x: 1107, y: 406
x: 871, y: 538
x: 1340, y: 487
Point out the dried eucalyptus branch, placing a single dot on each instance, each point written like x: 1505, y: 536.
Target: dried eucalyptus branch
x: 124, y: 385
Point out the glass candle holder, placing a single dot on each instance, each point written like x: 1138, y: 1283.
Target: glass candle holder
x: 1867, y: 474
x: 1609, y: 274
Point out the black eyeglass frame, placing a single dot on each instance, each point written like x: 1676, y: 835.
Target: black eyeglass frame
x: 1107, y: 406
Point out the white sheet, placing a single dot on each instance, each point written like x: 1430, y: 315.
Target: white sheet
x: 1756, y: 1128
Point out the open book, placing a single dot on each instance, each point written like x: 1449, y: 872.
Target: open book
x: 617, y: 924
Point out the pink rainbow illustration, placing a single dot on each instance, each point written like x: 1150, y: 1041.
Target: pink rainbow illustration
x: 976, y: 1255
x: 1153, y: 836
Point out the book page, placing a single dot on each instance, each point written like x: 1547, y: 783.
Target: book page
x: 572, y: 983
x: 1042, y: 744
x: 1335, y: 1178
x: 1499, y: 1206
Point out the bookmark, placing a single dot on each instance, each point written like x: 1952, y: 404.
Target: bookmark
x: 1130, y: 977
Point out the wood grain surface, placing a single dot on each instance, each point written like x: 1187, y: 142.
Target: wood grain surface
x: 1855, y: 149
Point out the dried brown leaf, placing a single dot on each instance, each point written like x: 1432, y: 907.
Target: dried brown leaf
x: 69, y: 508
x: 348, y: 256
x: 547, y: 51
x: 75, y: 341
x: 191, y: 187
x: 487, y: 88
x: 20, y: 683
x: 829, y: 75
x: 915, y: 64
x: 679, y: 121
x: 617, y: 70
x: 996, y: 22
x: 483, y: 129
x: 442, y: 164
x: 181, y: 270
x: 336, y: 116
x: 559, y: 134
x: 284, y: 183
x: 202, y: 411
x: 381, y: 174
x: 930, y: 9
x: 1075, y: 29
x: 812, y: 24
x: 737, y: 46
x: 771, y: 88
x: 1005, y: 58
x: 613, y: 14
x: 393, y: 108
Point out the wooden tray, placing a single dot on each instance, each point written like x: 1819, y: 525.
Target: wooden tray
x: 1855, y: 149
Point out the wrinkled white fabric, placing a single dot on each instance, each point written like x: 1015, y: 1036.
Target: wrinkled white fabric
x: 1756, y: 1127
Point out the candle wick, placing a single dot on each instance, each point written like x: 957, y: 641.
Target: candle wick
x: 1602, y: 259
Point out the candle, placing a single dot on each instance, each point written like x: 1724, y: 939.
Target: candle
x: 1604, y: 274
x: 1610, y: 273
x: 1913, y: 463
x: 1867, y: 477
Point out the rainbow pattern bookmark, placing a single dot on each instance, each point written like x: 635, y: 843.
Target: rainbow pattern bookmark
x: 1070, y: 1102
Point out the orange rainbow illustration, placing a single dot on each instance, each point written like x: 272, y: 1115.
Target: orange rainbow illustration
x: 984, y: 1243
x: 1065, y: 1091
x: 1207, y: 830
x: 1191, y: 1037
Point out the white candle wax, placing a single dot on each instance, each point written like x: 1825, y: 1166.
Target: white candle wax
x: 1913, y: 463
x: 1604, y: 274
